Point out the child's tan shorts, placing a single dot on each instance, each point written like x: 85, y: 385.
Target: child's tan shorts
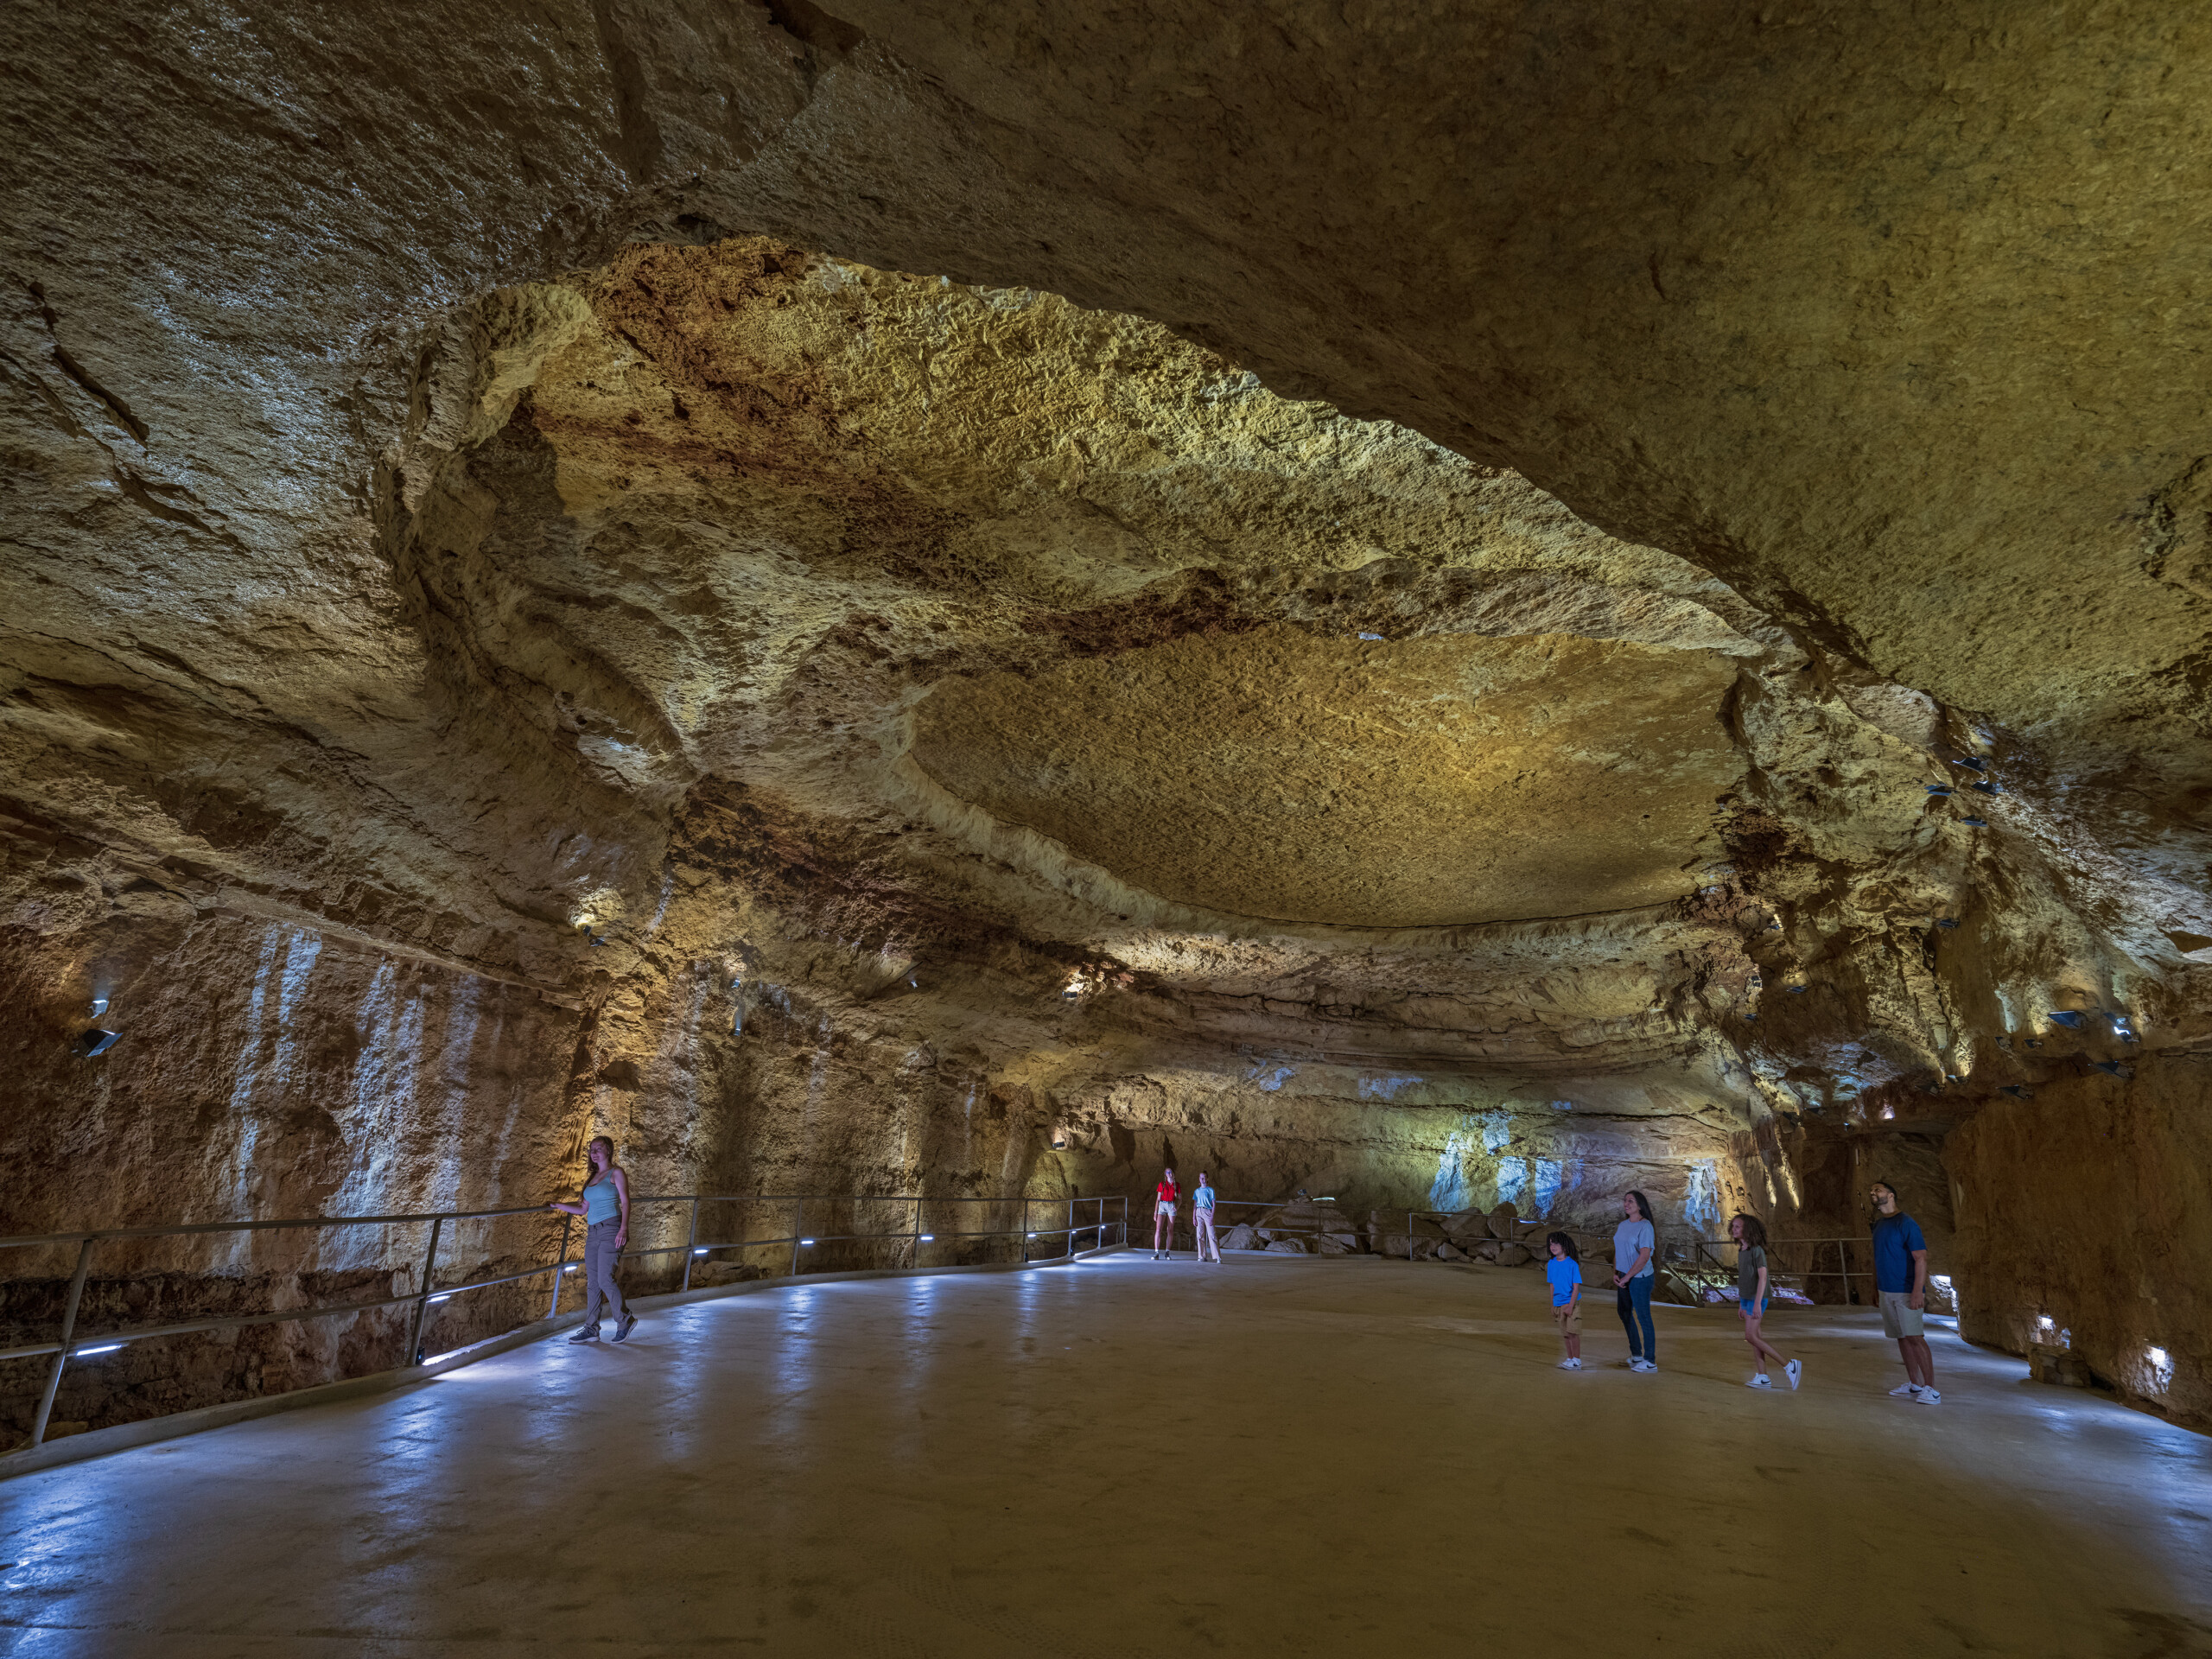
x: 1569, y: 1319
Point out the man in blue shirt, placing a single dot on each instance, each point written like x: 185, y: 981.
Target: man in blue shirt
x: 1901, y: 1287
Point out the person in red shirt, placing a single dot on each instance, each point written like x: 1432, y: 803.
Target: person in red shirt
x: 1163, y: 1216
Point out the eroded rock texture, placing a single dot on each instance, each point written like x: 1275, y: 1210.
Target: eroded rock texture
x: 1425, y: 606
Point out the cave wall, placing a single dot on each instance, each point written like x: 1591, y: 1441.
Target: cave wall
x: 2091, y: 1204
x: 318, y: 737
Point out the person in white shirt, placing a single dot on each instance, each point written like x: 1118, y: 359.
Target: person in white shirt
x: 1202, y: 1220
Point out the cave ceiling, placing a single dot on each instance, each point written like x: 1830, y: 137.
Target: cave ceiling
x: 1429, y: 537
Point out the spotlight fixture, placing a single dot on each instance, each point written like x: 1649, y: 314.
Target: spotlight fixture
x: 96, y: 1041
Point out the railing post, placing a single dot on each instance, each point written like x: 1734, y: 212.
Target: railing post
x: 560, y: 1268
x: 799, y: 1215
x: 68, y: 1329
x: 1070, y: 1251
x: 423, y: 1300
x: 691, y: 1243
x: 916, y: 1259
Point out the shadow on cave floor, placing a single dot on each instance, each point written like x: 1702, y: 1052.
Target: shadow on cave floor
x: 1275, y: 1456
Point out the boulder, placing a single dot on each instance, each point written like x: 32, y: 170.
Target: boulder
x: 1503, y: 1221
x: 1285, y: 1247
x: 1513, y: 1255
x: 1466, y: 1227
x: 1242, y: 1236
x: 1337, y: 1245
x: 2047, y: 1362
x: 1447, y: 1251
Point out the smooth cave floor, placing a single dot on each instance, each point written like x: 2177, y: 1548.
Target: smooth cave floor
x: 1278, y: 1456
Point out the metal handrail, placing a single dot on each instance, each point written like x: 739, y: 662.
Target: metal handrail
x: 1842, y: 1270
x: 68, y: 1344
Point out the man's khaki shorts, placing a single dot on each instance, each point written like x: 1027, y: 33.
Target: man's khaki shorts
x: 1898, y: 1319
x: 1569, y: 1319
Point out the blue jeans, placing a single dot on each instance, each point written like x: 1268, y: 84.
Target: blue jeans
x: 1634, y: 1301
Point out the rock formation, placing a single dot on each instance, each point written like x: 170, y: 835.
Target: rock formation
x: 1439, y: 609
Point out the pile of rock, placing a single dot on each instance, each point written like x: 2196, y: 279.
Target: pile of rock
x: 1500, y: 1237
x: 1302, y: 1227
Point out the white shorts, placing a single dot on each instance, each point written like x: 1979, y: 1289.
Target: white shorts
x: 1898, y: 1319
x: 1163, y: 1208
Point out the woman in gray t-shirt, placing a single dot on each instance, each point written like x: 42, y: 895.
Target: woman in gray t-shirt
x: 1636, y: 1246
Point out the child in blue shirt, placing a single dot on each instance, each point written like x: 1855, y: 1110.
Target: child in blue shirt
x: 1564, y: 1272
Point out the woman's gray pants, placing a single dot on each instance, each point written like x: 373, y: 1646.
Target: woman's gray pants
x: 601, y: 1256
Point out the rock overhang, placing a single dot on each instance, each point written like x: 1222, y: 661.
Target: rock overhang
x: 1286, y: 776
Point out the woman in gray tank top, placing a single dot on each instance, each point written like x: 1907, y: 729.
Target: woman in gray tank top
x: 605, y: 1207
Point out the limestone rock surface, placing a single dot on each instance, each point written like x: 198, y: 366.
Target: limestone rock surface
x: 1440, y: 604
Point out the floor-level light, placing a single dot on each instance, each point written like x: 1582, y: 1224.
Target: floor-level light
x: 698, y: 1252
x: 443, y: 1295
x: 929, y: 1238
x: 112, y: 1346
x: 806, y: 1241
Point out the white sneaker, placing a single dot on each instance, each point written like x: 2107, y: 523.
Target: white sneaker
x: 1643, y: 1364
x: 1930, y: 1397
x: 1570, y: 1364
x: 1793, y: 1370
x: 1909, y: 1390
x: 1762, y: 1380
